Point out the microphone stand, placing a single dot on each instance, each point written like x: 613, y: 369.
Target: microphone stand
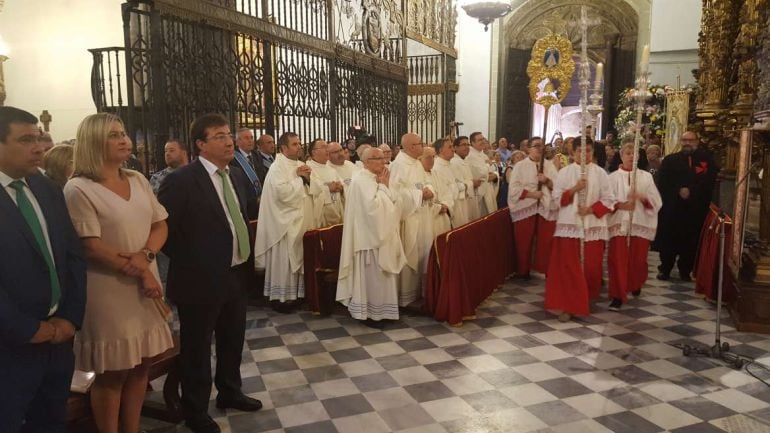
x: 721, y: 349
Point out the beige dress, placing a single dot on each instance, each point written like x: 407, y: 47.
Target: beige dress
x: 121, y: 326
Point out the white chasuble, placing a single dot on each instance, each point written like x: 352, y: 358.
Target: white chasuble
x: 285, y: 213
x: 371, y: 257
x: 477, y: 162
x: 345, y: 171
x: 463, y: 172
x: 407, y: 179
x: 327, y: 205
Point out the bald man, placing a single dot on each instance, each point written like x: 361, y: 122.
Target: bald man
x: 407, y: 178
x: 340, y: 163
x: 371, y: 257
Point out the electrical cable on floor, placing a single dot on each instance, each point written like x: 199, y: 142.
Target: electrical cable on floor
x: 746, y: 362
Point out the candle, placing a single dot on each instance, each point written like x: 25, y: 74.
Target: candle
x: 599, y: 76
x: 646, y: 55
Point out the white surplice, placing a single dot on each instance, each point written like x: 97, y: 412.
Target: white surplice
x: 285, y: 213
x: 524, y: 178
x: 371, y: 258
x: 407, y: 179
x: 569, y: 224
x: 645, y: 218
x: 463, y: 172
x: 327, y: 206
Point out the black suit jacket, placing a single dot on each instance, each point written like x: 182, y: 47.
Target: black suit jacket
x: 259, y: 165
x: 25, y: 287
x: 200, y: 243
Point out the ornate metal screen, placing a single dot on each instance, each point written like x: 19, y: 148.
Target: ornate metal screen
x: 432, y: 90
x: 269, y: 65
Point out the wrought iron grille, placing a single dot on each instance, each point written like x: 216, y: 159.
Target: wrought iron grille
x: 431, y: 95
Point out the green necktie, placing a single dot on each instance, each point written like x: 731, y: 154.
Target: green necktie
x: 29, y: 214
x: 241, y: 232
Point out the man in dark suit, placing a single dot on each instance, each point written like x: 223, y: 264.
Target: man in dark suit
x: 211, y: 261
x: 686, y: 181
x: 248, y: 160
x: 42, y: 284
x: 265, y: 154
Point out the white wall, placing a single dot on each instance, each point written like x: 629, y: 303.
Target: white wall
x: 674, y: 40
x: 49, y: 66
x: 474, y: 50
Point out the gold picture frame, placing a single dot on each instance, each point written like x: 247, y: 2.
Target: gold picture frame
x: 677, y: 114
x: 550, y: 70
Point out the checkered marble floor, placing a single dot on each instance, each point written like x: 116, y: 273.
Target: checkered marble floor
x: 513, y: 369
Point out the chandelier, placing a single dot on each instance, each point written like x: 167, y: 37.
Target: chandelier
x: 487, y: 11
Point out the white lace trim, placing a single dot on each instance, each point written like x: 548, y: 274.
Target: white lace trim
x: 524, y: 213
x: 598, y: 233
x: 637, y: 230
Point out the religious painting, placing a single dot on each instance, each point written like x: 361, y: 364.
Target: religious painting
x: 550, y: 70
x: 251, y: 98
x: 677, y: 112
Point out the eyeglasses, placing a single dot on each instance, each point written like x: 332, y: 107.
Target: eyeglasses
x: 220, y: 137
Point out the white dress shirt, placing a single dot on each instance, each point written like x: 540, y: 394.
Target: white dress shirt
x: 218, y: 185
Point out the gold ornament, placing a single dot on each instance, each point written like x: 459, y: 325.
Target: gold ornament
x: 550, y: 70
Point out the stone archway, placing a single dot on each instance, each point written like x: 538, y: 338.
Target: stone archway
x: 613, y: 41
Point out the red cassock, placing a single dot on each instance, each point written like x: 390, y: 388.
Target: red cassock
x: 627, y: 265
x: 569, y: 285
x: 524, y: 231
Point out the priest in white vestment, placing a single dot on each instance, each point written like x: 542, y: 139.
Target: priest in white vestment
x: 285, y: 213
x: 444, y: 199
x: 463, y: 172
x: 325, y: 187
x: 360, y: 153
x: 371, y: 258
x: 479, y: 166
x: 453, y: 186
x: 407, y: 178
x: 340, y: 162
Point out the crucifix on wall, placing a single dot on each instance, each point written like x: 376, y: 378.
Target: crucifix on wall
x: 45, y: 119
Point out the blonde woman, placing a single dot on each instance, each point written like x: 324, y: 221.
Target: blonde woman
x: 122, y: 227
x: 58, y: 164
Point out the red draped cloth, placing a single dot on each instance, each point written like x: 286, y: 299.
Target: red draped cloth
x: 627, y: 267
x: 321, y: 263
x: 545, y: 230
x: 568, y: 286
x: 466, y: 264
x: 706, y: 269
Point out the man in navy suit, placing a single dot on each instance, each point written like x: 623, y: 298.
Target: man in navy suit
x: 211, y: 263
x: 42, y: 284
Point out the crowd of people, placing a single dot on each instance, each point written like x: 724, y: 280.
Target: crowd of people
x: 97, y: 246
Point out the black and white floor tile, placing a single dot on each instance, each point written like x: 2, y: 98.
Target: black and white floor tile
x: 515, y: 368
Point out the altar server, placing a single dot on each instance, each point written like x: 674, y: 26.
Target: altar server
x: 533, y: 211
x: 636, y: 211
x: 568, y: 285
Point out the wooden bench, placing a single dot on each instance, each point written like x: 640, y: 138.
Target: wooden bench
x: 80, y: 419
